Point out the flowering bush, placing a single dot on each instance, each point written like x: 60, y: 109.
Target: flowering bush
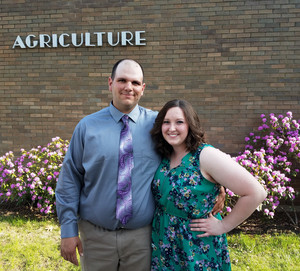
x: 272, y: 155
x: 31, y: 178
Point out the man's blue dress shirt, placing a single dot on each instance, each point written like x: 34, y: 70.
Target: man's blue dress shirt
x: 87, y: 183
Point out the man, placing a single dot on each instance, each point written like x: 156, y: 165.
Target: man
x: 86, y: 192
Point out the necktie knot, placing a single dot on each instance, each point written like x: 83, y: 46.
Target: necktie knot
x: 125, y: 119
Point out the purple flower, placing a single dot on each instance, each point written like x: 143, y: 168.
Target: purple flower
x: 50, y: 190
x: 36, y: 179
x: 228, y: 209
x: 266, y: 211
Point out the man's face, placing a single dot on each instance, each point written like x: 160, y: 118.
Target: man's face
x: 127, y: 87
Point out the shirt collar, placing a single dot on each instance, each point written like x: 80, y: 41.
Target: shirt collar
x: 117, y: 115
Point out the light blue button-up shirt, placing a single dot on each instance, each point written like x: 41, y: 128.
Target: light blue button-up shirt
x: 87, y: 183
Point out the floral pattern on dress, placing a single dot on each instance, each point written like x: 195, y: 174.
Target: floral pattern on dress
x: 181, y: 194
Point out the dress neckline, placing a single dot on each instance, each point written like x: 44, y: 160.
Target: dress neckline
x: 183, y: 159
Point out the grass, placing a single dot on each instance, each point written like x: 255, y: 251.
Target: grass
x: 265, y: 252
x: 30, y: 245
x: 33, y: 244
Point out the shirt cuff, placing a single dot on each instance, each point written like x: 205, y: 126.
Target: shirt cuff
x: 69, y: 230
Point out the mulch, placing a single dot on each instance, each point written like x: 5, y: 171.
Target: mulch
x: 258, y: 223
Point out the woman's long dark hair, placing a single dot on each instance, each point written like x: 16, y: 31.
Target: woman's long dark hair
x: 195, y: 135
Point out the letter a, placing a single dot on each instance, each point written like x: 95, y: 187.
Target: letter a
x: 19, y: 42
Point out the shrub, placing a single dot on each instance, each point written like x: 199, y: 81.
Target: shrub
x: 31, y: 177
x: 272, y: 154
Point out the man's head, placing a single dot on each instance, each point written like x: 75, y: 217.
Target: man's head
x: 113, y: 72
x: 126, y: 84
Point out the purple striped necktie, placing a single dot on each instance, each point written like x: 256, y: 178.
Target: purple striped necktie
x: 124, y: 194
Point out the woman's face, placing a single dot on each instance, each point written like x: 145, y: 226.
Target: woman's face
x: 175, y: 128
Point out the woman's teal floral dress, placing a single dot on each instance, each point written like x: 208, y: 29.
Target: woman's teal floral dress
x: 182, y: 194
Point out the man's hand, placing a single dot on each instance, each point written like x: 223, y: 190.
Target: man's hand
x: 68, y: 249
x: 220, y: 201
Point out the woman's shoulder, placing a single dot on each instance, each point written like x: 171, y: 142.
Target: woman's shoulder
x: 204, y: 145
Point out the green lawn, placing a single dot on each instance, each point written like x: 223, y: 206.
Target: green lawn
x: 30, y: 245
x: 280, y: 252
x: 33, y: 245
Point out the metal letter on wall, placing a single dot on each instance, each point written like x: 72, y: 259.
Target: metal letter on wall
x: 96, y: 39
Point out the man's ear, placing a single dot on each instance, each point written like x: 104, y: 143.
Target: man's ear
x: 110, y: 81
x: 144, y: 86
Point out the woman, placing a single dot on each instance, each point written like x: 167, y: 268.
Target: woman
x: 185, y: 188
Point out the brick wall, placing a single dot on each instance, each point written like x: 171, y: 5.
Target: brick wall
x: 233, y: 60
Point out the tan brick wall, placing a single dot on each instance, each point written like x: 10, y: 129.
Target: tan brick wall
x: 232, y: 59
